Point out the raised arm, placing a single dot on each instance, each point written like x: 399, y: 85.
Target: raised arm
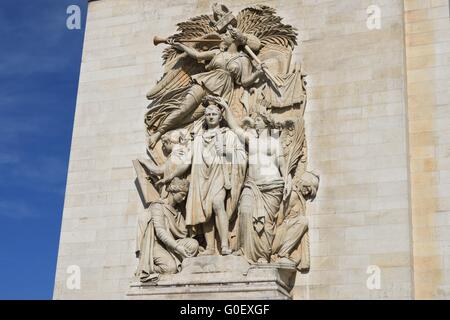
x: 193, y: 53
x: 182, y: 162
x: 152, y: 168
x: 231, y: 120
x: 282, y: 166
x: 180, y: 169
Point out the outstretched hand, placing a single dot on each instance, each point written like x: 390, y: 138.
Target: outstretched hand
x: 219, y: 100
x: 261, y: 67
x: 237, y: 35
x: 222, y: 102
x: 174, y: 44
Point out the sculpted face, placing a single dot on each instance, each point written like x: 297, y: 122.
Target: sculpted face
x: 309, y: 184
x: 226, y: 43
x: 213, y: 116
x: 223, y: 46
x: 259, y: 123
x: 305, y: 189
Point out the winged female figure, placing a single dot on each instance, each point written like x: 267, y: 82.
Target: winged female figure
x: 177, y: 96
x: 227, y: 66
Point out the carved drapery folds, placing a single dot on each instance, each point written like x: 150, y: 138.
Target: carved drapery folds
x: 226, y: 131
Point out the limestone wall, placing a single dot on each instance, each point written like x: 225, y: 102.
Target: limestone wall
x: 358, y: 129
x: 427, y: 26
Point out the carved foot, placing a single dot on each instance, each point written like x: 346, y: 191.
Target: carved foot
x: 154, y: 139
x: 262, y: 261
x: 238, y: 253
x: 226, y: 251
x: 153, y: 277
x: 207, y: 252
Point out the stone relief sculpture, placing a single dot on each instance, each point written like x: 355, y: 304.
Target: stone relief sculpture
x: 176, y: 153
x: 218, y: 165
x: 264, y: 186
x: 227, y: 66
x: 291, y: 242
x: 162, y: 241
x: 226, y: 130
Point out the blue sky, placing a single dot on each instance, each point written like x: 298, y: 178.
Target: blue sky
x: 39, y: 69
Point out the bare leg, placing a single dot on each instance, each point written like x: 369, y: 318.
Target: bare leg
x: 194, y: 116
x: 209, y: 230
x: 222, y: 221
x: 190, y: 103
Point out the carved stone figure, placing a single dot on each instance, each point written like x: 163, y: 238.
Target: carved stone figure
x: 227, y: 65
x: 247, y: 168
x: 263, y: 189
x: 176, y: 152
x: 162, y: 242
x: 291, y: 243
x: 218, y: 165
x: 231, y: 43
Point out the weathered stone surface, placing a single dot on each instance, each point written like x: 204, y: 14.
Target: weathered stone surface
x: 218, y: 277
x: 376, y: 128
x: 227, y: 135
x: 428, y: 78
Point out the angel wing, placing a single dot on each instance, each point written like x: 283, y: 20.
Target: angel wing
x: 277, y: 40
x: 293, y: 144
x: 262, y: 21
x: 195, y: 28
x: 179, y: 67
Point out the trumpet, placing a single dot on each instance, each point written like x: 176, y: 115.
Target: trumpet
x: 158, y: 40
x: 277, y: 83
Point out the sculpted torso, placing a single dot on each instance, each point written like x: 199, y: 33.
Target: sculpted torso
x: 263, y: 153
x: 210, y: 139
x: 220, y: 61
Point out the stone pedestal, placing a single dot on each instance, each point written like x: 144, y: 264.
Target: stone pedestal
x: 221, y: 278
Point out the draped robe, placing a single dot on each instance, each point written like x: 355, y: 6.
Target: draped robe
x: 212, y: 172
